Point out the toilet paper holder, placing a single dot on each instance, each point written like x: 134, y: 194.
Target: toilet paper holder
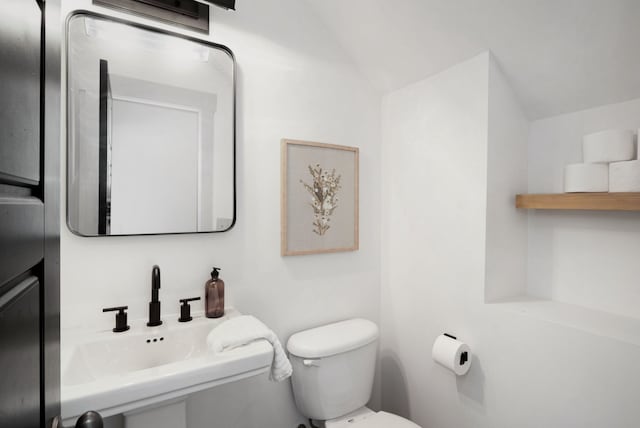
x: 464, y: 357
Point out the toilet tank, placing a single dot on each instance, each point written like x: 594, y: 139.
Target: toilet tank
x: 333, y: 367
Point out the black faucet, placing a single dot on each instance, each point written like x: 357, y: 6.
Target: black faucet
x: 154, y: 305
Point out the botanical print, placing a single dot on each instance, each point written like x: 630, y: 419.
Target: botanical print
x: 324, y: 200
x: 319, y: 198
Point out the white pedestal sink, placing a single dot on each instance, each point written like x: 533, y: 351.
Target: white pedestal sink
x: 145, y: 368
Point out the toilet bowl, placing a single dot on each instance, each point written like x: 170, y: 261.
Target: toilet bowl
x: 333, y: 370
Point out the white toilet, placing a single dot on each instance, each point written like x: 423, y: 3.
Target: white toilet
x: 333, y: 369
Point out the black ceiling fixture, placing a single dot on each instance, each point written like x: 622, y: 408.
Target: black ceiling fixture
x: 190, y: 14
x: 227, y: 4
x: 188, y: 7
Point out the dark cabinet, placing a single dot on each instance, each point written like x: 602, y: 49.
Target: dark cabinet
x: 20, y: 355
x: 20, y: 35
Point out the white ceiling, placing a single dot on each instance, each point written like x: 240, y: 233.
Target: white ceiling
x: 560, y: 55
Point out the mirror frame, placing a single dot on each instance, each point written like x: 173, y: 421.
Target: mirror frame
x: 162, y: 31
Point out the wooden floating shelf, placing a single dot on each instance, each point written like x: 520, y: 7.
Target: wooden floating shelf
x: 580, y: 201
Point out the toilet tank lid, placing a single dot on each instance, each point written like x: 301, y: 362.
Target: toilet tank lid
x: 333, y: 338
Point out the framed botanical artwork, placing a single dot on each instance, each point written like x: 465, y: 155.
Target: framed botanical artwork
x: 319, y: 198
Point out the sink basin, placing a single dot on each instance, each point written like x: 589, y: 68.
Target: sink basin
x: 114, y: 373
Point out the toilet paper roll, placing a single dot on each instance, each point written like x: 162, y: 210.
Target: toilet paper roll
x: 608, y: 146
x: 452, y: 354
x: 586, y: 177
x: 624, y: 176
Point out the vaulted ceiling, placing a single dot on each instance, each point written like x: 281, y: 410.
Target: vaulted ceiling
x: 559, y: 55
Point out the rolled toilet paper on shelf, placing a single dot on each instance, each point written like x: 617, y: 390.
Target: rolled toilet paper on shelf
x: 609, y: 146
x: 586, y: 177
x: 452, y: 354
x: 624, y: 176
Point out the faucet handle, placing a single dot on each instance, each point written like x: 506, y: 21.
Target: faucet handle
x: 185, y: 309
x: 121, y: 318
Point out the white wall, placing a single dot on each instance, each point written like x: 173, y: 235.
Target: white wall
x: 506, y: 246
x: 527, y: 372
x: 584, y: 258
x: 294, y: 81
x: 434, y: 187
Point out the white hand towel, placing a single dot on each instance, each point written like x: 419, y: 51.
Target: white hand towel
x: 243, y: 330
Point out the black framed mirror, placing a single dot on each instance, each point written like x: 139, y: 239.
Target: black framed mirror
x: 151, y: 130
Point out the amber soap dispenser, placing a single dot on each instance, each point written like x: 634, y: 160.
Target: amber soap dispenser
x: 214, y: 295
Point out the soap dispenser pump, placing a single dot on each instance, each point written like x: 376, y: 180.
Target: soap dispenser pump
x: 214, y: 295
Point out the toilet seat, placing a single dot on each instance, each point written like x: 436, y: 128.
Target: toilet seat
x: 384, y: 420
x: 374, y: 420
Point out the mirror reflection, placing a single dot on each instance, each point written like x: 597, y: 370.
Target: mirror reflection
x: 151, y: 138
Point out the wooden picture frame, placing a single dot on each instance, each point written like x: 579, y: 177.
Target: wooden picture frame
x: 319, y: 198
